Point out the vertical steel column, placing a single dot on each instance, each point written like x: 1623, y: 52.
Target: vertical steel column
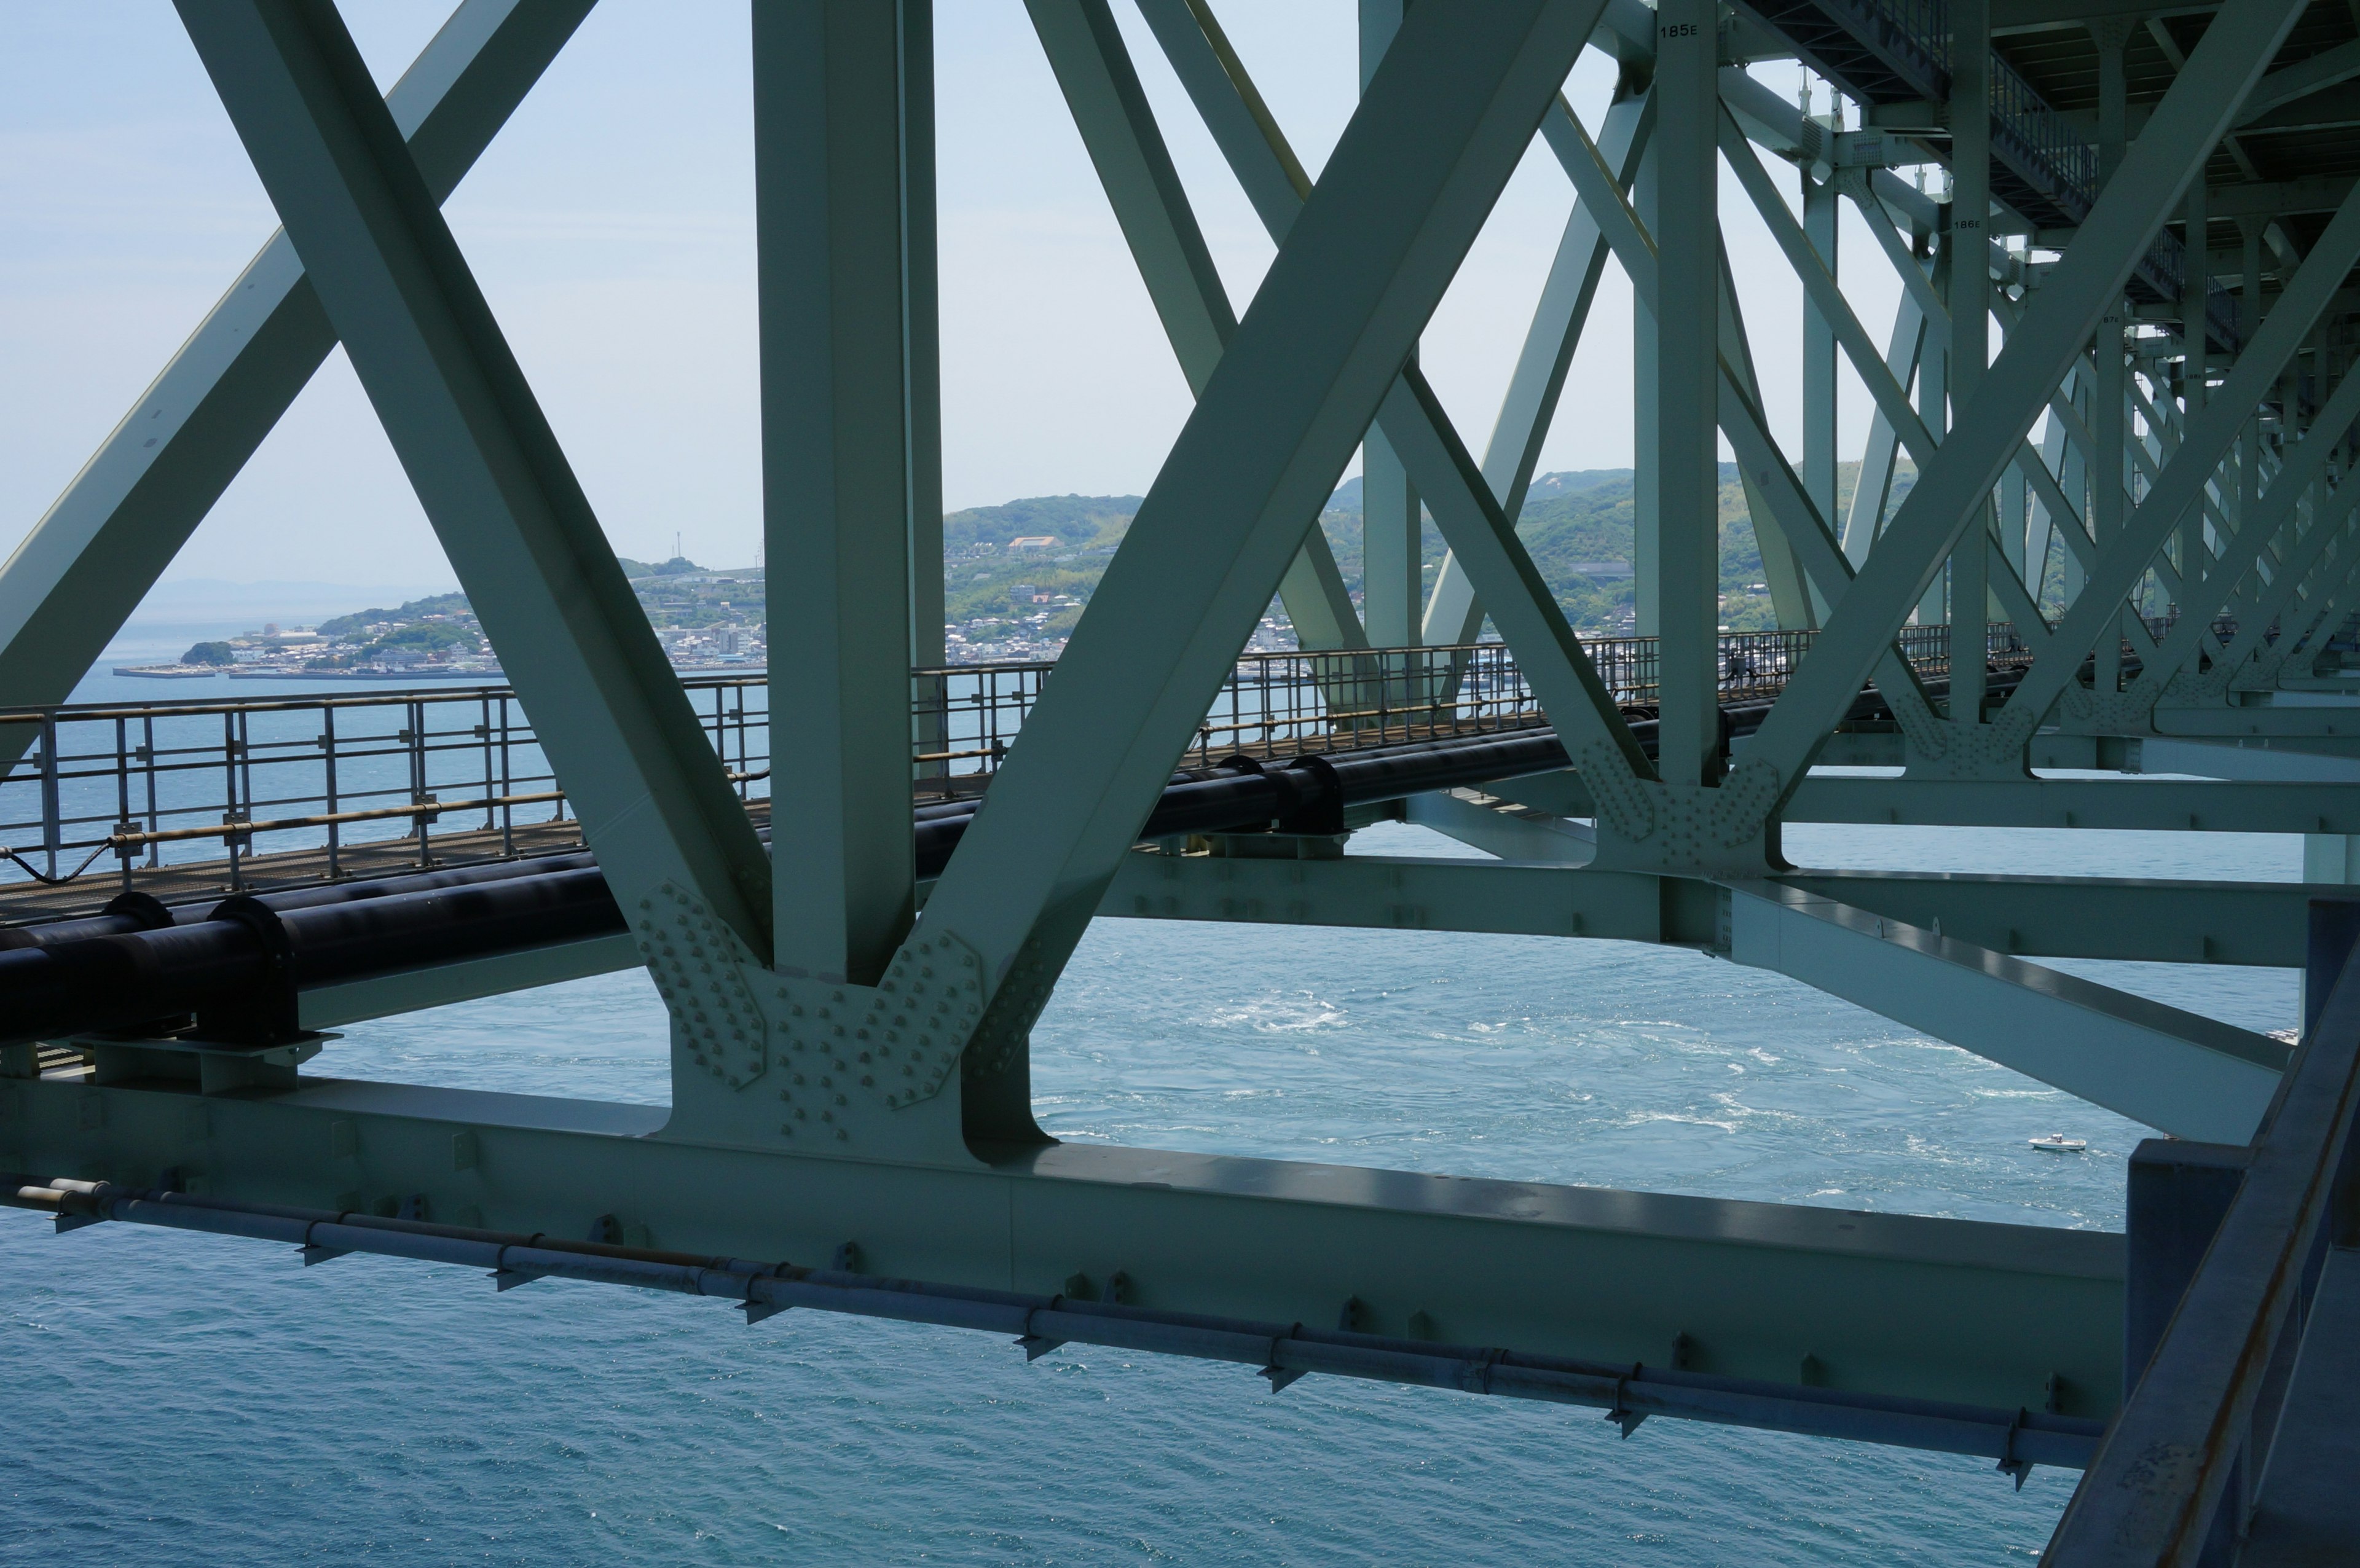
x: 1392, y: 515
x: 1970, y: 327
x: 147, y: 776
x: 922, y: 373
x: 1821, y: 207
x: 2108, y: 412
x: 830, y: 185
x: 1934, y: 409
x: 2195, y: 295
x: 923, y: 388
x: 2249, y: 321
x: 1646, y: 459
x: 1687, y: 392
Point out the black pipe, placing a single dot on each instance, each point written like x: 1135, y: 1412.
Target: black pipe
x: 237, y: 966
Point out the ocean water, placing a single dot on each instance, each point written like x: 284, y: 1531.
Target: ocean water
x: 185, y: 1400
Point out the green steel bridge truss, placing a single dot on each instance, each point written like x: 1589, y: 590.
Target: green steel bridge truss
x: 2107, y: 414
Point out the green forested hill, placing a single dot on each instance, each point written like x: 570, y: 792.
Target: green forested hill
x: 1576, y: 525
x: 1574, y: 521
x: 1075, y: 521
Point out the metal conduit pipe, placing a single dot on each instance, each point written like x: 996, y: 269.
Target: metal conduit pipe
x: 141, y: 912
x: 1281, y: 1352
x: 239, y: 965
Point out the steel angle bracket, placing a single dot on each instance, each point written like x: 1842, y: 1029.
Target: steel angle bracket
x: 2009, y: 1465
x: 700, y: 967
x: 920, y: 1017
x: 1281, y: 1377
x: 1625, y: 1418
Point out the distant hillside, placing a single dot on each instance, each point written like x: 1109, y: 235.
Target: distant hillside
x: 1576, y: 524
x: 1077, y: 521
x: 1579, y: 527
x: 415, y: 610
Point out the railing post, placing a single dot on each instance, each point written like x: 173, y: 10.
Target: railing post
x: 508, y: 784
x: 51, y: 829
x: 328, y: 751
x: 148, y: 773
x: 417, y: 711
x: 484, y: 734
x: 235, y: 840
x: 124, y: 853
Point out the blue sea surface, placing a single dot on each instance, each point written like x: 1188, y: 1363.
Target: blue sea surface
x: 182, y: 1400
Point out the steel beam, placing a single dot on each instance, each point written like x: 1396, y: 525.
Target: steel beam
x: 1446, y: 116
x: 1094, y: 71
x: 83, y: 569
x: 1890, y: 1303
x: 831, y: 227
x: 1492, y: 564
x: 1547, y: 889
x: 1950, y: 493
x: 1969, y: 328
x: 2149, y: 805
x: 921, y: 312
x: 1684, y: 321
x: 1872, y: 485
x: 1785, y: 519
x: 1393, y: 517
x: 2273, y: 513
x: 2186, y: 1075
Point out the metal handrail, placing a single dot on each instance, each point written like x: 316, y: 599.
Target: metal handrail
x: 2168, y: 1466
x: 159, y: 781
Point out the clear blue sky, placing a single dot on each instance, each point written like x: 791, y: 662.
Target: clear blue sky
x: 611, y: 225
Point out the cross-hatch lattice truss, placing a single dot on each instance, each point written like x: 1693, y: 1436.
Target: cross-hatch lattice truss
x: 2140, y: 485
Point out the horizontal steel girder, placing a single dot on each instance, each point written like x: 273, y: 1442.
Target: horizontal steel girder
x: 2178, y: 1072
x: 2156, y: 805
x: 2153, y: 805
x: 1899, y: 1305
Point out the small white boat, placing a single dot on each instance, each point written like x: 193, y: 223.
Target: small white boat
x: 2058, y: 1143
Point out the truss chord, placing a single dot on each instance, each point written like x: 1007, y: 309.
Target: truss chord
x: 850, y: 1039
x: 1466, y: 509
x: 2122, y: 560
x: 2111, y: 243
x: 1444, y: 121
